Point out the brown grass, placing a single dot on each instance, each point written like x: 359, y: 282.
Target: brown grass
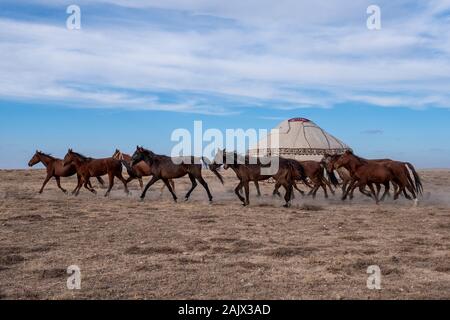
x: 158, y: 249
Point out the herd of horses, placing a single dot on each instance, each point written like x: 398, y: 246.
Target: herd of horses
x: 354, y: 173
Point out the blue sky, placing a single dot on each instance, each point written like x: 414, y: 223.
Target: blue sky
x: 137, y: 70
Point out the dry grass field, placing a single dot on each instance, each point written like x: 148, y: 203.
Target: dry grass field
x: 126, y: 249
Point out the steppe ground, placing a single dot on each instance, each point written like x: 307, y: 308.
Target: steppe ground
x: 157, y: 249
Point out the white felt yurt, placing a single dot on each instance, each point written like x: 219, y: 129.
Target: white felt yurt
x: 299, y: 139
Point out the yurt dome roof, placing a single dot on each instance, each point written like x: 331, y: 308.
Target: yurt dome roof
x: 300, y: 137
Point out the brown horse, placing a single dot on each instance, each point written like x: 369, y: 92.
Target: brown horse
x: 372, y: 172
x: 138, y: 171
x: 329, y: 163
x: 164, y: 168
x: 247, y: 169
x: 299, y: 174
x: 398, y: 167
x: 89, y: 167
x: 55, y: 168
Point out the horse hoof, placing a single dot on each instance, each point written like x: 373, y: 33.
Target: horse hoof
x: 185, y: 199
x: 141, y: 199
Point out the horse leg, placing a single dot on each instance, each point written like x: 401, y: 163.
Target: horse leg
x: 193, y: 185
x: 288, y: 195
x: 275, y: 190
x: 174, y: 196
x: 378, y: 189
x: 58, y: 183
x: 236, y: 191
x: 327, y: 183
x: 141, y: 183
x: 386, y: 191
x: 205, y: 185
x: 100, y: 180
x: 258, y: 192
x: 152, y: 181
x: 47, y: 179
x: 172, y: 184
x: 76, y: 191
x: 349, y: 189
x: 344, y: 186
x: 314, y: 191
x: 121, y: 178
x: 247, y: 192
x: 87, y: 184
x: 298, y: 189
x: 324, y: 187
x: 78, y: 183
x: 375, y: 195
x: 111, y: 183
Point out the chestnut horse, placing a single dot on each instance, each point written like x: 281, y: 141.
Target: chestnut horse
x: 56, y: 168
x: 164, y: 168
x: 247, y: 170
x: 138, y: 171
x: 373, y: 172
x: 89, y: 167
x: 399, y: 168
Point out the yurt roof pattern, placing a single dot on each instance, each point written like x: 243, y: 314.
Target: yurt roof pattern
x: 301, y: 137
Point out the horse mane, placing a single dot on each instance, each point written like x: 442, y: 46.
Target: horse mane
x: 47, y: 155
x: 83, y: 157
x: 359, y: 158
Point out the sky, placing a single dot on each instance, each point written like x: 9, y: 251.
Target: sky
x: 137, y: 70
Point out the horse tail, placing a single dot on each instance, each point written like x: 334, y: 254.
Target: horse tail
x: 213, y: 169
x: 331, y: 175
x: 418, y: 181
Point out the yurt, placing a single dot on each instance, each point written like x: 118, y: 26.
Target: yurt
x: 300, y: 139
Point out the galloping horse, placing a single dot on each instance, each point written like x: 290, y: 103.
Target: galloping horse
x: 247, y: 170
x: 139, y: 170
x: 400, y: 169
x: 164, y: 168
x: 299, y: 174
x: 329, y: 161
x: 372, y: 172
x: 56, y: 168
x: 89, y: 167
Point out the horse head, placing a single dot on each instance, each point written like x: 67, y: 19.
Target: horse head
x: 35, y: 159
x: 68, y: 158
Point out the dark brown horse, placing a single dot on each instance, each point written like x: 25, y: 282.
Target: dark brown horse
x: 299, y: 174
x: 250, y: 169
x: 138, y: 171
x: 165, y: 168
x: 89, y: 167
x: 367, y: 173
x: 55, y: 168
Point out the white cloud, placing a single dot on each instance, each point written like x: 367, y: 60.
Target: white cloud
x: 300, y: 54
